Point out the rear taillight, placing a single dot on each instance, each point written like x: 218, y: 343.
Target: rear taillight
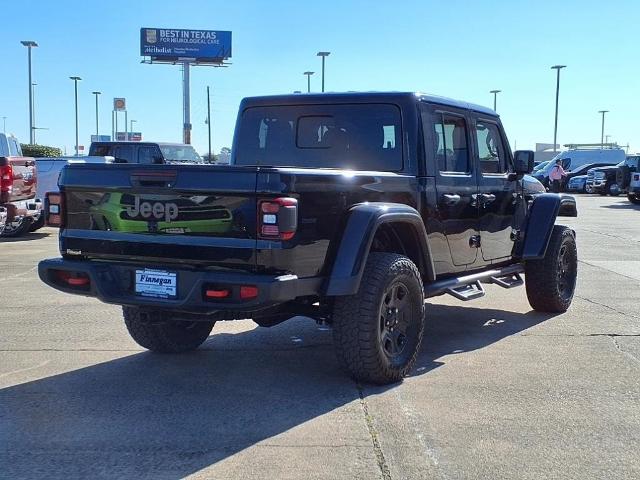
x: 636, y: 178
x: 6, y: 178
x: 53, y: 202
x: 277, y: 218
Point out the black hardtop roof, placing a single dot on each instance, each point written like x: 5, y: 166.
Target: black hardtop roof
x: 123, y: 142
x: 360, y: 97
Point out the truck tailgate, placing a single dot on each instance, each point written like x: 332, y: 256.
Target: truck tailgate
x: 190, y: 214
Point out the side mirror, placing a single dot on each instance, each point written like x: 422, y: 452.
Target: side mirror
x: 523, y: 161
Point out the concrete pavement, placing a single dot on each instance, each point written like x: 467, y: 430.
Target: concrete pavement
x: 498, y: 391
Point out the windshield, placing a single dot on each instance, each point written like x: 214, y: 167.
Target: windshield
x: 180, y: 153
x: 362, y: 137
x: 540, y: 166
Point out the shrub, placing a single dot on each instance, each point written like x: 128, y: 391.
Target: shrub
x: 40, y: 150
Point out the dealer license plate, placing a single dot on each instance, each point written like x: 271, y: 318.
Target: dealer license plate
x: 156, y: 283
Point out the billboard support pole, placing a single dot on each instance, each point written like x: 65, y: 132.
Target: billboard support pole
x: 112, y: 125
x: 126, y: 127
x: 209, y: 122
x: 115, y: 138
x: 186, y: 132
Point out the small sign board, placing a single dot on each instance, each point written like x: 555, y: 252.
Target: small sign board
x: 128, y: 136
x: 119, y: 104
x: 212, y: 46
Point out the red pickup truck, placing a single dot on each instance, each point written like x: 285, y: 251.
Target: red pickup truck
x: 20, y: 210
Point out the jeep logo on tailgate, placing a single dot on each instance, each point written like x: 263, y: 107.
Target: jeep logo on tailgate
x: 158, y: 210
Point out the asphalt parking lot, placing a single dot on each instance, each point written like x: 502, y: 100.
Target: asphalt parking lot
x: 499, y: 391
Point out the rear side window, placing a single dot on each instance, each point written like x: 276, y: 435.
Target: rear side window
x: 359, y: 137
x: 450, y: 136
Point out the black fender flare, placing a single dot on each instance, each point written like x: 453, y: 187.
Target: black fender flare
x: 361, y: 225
x: 541, y: 218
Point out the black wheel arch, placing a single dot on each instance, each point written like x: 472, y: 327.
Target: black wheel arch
x: 540, y: 221
x: 376, y: 226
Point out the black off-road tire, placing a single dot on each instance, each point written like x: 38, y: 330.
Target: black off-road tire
x: 634, y: 199
x: 19, y: 230
x: 390, y: 296
x: 613, y: 189
x: 156, y: 331
x: 551, y: 281
x: 38, y: 224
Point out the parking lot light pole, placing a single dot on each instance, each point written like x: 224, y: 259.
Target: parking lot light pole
x: 308, y: 74
x: 75, y: 82
x: 97, y: 126
x: 557, y: 68
x: 495, y: 98
x: 30, y: 44
x: 602, y: 132
x: 323, y: 55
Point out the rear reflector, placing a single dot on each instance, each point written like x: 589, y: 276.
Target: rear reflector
x: 224, y: 293
x: 74, y: 279
x: 248, y: 291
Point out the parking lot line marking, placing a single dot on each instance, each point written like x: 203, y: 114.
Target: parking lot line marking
x: 6, y: 374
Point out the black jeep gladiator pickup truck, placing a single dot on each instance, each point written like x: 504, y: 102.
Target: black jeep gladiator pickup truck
x: 350, y: 209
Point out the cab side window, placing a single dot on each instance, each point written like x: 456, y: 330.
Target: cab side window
x: 450, y: 143
x: 491, y: 153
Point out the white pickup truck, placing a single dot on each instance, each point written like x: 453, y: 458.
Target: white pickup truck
x: 49, y: 170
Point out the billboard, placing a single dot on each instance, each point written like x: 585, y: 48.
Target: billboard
x: 171, y: 44
x: 100, y: 138
x: 133, y: 137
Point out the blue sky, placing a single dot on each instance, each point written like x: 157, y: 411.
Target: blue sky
x: 454, y: 48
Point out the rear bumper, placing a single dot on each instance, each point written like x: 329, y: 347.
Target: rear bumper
x: 16, y: 211
x: 634, y: 190
x: 115, y: 283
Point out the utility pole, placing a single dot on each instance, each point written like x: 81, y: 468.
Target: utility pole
x: 97, y: 126
x: 602, y: 133
x: 75, y: 82
x: 323, y: 55
x: 557, y: 68
x: 495, y: 95
x: 209, y: 122
x: 308, y: 74
x: 30, y: 44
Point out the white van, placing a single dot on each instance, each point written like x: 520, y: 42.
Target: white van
x: 578, y: 155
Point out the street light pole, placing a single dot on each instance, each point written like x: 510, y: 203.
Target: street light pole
x: 323, y: 55
x: 557, y: 68
x: 308, y: 74
x: 97, y: 125
x: 602, y: 133
x: 30, y: 44
x: 75, y: 82
x: 33, y: 110
x: 495, y: 97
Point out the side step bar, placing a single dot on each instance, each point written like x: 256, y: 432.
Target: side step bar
x: 469, y: 287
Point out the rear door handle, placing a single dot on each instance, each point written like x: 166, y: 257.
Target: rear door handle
x: 488, y: 198
x: 450, y: 199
